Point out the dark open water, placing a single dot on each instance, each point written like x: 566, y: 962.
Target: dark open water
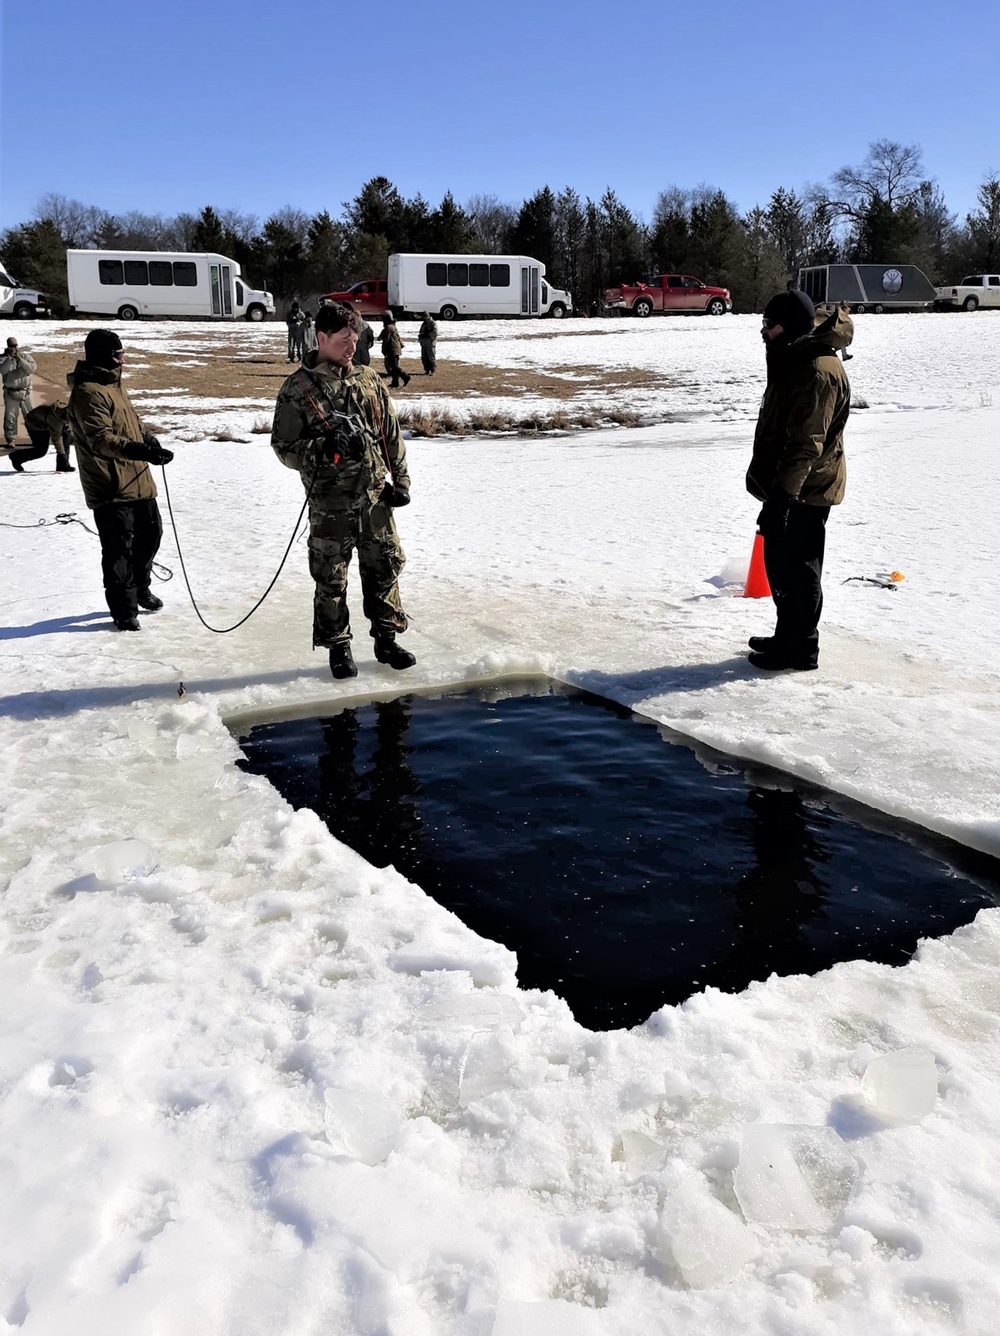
x: 624, y: 869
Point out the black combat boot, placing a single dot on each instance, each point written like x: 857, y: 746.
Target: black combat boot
x: 342, y: 661
x: 127, y: 624
x: 16, y: 464
x: 148, y: 600
x: 776, y: 660
x: 387, y: 651
x: 63, y: 465
x: 761, y: 643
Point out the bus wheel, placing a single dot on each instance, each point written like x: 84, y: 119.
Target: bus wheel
x: 127, y: 313
x: 557, y: 310
x: 448, y: 313
x: 256, y: 312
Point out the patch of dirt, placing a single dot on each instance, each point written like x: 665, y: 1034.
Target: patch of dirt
x: 227, y: 370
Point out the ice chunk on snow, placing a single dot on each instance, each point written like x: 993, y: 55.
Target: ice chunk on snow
x: 709, y: 1242
x: 123, y: 858
x: 486, y: 1066
x: 477, y: 1011
x: 639, y: 1153
x: 770, y: 1186
x: 143, y: 731
x: 901, y: 1084
x: 361, y: 1125
x: 552, y: 1317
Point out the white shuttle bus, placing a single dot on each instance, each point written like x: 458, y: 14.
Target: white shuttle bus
x: 129, y: 284
x: 452, y: 285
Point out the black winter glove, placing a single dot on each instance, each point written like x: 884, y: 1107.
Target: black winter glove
x: 395, y: 496
x: 150, y: 451
x: 773, y: 518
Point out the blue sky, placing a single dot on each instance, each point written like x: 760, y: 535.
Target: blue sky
x: 167, y: 105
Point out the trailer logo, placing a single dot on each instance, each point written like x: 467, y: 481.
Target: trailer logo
x: 892, y: 281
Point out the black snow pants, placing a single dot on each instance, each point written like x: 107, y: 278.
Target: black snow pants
x: 794, y: 564
x: 130, y: 539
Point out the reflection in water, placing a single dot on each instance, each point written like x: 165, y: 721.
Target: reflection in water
x: 783, y: 890
x: 623, y: 872
x: 371, y: 804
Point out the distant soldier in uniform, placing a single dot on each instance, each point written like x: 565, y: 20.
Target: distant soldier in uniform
x: 392, y: 348
x: 335, y: 424
x: 294, y: 320
x: 366, y: 339
x: 798, y: 468
x: 16, y: 367
x: 427, y: 335
x: 114, y: 452
x: 48, y: 423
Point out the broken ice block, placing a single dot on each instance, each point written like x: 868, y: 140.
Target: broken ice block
x: 143, y: 731
x: 486, y: 1066
x: 189, y: 744
x: 901, y: 1084
x: 123, y: 858
x: 478, y: 1011
x: 360, y: 1125
x: 770, y: 1186
x: 709, y: 1243
x: 640, y: 1154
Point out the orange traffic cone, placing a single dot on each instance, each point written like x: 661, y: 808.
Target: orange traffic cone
x: 756, y: 585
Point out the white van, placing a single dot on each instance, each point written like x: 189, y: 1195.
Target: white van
x: 129, y: 284
x: 21, y: 303
x: 452, y: 285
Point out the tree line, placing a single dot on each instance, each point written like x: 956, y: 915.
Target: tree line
x: 882, y: 210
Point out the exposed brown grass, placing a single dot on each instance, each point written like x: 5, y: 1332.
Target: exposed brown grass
x: 228, y: 363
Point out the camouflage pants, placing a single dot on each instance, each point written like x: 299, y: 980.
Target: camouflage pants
x: 333, y: 536
x: 12, y: 409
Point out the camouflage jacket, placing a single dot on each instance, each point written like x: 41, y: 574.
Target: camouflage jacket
x: 351, y: 402
x: 16, y: 369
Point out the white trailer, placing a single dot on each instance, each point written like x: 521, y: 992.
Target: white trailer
x: 21, y: 303
x: 452, y: 285
x: 129, y: 284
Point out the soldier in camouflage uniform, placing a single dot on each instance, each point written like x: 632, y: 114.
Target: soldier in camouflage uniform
x: 335, y: 424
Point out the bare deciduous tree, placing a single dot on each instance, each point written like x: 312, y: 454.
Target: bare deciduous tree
x: 891, y: 174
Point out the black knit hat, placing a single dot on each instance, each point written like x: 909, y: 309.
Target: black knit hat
x: 793, y: 311
x: 100, y: 346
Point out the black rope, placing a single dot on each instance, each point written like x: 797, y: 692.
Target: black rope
x: 69, y: 517
x: 162, y: 573
x: 224, y: 630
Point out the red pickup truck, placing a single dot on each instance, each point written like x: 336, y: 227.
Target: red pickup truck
x: 370, y: 297
x: 669, y: 293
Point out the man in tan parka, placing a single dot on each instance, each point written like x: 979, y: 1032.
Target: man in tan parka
x: 798, y: 468
x: 114, y: 452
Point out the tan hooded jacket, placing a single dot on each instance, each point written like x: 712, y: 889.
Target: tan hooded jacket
x: 104, y: 423
x: 798, y: 447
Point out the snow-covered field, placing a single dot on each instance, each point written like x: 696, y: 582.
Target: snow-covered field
x: 253, y: 1085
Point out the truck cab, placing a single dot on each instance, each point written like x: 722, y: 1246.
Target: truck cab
x: 369, y: 297
x: 21, y: 303
x: 974, y: 291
